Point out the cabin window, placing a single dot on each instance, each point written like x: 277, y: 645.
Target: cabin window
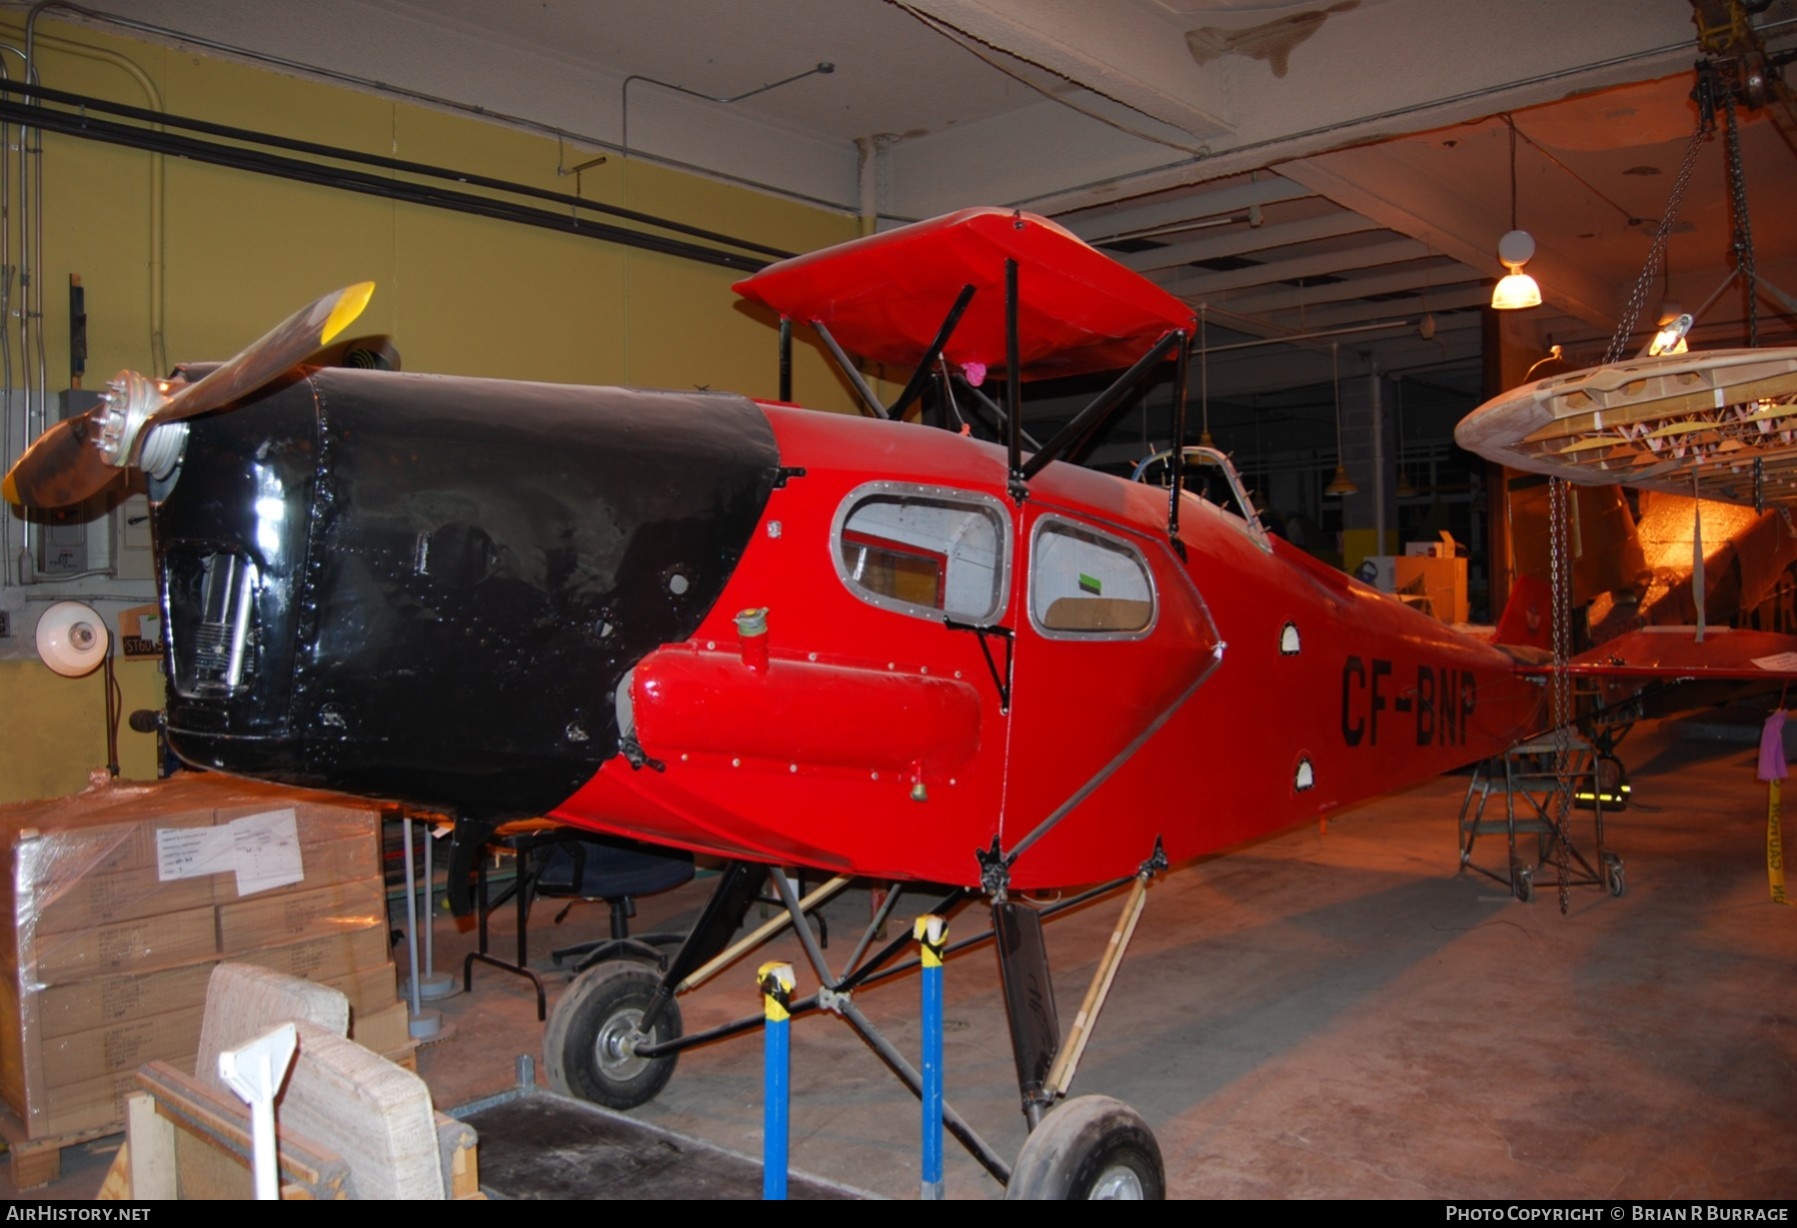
x: 1087, y: 583
x: 923, y: 551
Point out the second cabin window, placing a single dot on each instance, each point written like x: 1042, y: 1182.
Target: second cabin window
x: 919, y: 550
x: 1083, y: 582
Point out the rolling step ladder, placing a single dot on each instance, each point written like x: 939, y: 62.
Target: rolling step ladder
x: 1525, y: 783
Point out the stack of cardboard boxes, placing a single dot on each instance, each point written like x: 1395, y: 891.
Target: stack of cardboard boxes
x: 118, y: 902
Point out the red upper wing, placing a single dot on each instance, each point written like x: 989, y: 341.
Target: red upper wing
x: 883, y: 297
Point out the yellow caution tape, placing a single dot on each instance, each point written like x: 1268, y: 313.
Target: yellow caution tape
x: 1775, y: 853
x: 932, y: 932
x: 776, y: 981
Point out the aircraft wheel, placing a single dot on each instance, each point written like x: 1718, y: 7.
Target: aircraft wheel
x: 1522, y: 882
x: 587, y: 1049
x: 1091, y: 1147
x: 1613, y: 877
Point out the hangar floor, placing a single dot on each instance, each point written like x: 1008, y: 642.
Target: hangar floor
x: 1325, y: 1014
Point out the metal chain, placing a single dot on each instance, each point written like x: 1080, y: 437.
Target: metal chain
x: 1743, y: 230
x: 1560, y: 709
x: 1638, y: 298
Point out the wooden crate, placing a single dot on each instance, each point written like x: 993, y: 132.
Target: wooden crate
x: 104, y: 955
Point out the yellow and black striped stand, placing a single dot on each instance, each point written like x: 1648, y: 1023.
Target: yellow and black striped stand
x: 776, y: 982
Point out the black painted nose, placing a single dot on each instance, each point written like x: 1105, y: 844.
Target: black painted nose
x: 428, y: 588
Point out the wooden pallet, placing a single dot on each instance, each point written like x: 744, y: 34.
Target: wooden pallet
x: 35, y: 1162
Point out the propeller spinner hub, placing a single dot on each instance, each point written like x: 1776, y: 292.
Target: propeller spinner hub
x: 130, y: 401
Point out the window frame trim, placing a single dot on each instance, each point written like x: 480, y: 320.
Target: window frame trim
x: 1138, y: 552
x: 952, y: 496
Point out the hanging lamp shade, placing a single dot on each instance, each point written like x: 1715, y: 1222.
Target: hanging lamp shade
x: 1516, y: 291
x: 1670, y: 339
x: 1341, y: 483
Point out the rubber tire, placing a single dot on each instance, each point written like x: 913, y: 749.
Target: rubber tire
x: 1085, y: 1146
x: 603, y: 1002
x: 1522, y: 882
x: 1614, y: 880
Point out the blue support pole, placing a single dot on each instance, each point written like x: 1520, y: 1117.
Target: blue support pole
x: 776, y: 981
x: 932, y: 934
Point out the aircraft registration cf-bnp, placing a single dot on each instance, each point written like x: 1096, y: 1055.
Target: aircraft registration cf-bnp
x: 783, y: 637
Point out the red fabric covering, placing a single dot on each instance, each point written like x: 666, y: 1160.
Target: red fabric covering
x: 884, y: 297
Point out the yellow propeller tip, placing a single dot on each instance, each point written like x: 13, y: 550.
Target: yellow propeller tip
x: 349, y: 305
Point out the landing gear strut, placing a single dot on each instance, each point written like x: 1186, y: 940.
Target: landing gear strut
x: 615, y: 1035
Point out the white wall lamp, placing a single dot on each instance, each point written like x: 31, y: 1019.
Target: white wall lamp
x: 72, y: 638
x: 73, y: 641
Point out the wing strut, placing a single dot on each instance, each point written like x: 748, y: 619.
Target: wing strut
x: 870, y: 404
x: 1013, y: 389
x: 1094, y: 416
x: 1179, y: 450
x: 786, y: 359
x: 922, y: 374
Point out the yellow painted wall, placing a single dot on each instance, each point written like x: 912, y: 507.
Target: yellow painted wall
x: 458, y: 294
x: 53, y: 729
x: 461, y: 295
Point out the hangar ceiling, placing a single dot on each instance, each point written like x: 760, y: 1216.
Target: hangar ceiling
x: 1340, y: 167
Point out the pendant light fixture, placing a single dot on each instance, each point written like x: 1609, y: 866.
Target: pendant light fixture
x: 1405, y: 488
x: 1517, y: 289
x: 1341, y: 483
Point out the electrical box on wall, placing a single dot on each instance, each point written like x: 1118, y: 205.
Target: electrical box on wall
x: 61, y: 542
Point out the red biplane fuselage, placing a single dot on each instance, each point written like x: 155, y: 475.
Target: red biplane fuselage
x: 1202, y: 701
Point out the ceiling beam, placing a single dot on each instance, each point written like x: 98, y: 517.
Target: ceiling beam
x: 1274, y: 368
x: 1099, y: 226
x: 1410, y: 276
x: 1437, y: 298
x: 1253, y: 239
x: 1365, y: 256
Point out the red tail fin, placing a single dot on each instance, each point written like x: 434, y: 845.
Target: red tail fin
x: 1528, y: 617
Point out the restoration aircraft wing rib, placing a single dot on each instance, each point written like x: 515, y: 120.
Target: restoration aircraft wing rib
x: 1726, y: 419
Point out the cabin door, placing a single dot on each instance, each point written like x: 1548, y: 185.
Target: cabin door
x: 1112, y: 641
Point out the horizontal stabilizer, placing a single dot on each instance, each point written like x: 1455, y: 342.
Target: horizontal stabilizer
x: 1675, y: 654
